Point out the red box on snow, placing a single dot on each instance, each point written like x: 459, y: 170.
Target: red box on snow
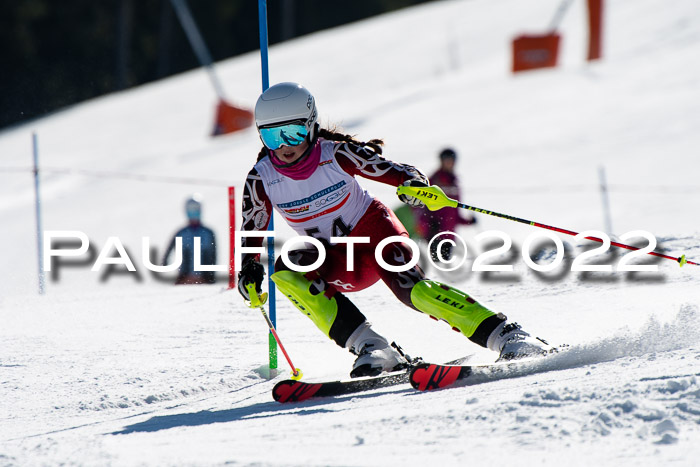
x: 532, y: 52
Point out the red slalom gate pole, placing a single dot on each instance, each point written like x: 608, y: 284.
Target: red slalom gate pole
x: 232, y: 237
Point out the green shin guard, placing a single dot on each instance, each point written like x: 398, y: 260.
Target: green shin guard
x: 319, y: 308
x: 458, y: 309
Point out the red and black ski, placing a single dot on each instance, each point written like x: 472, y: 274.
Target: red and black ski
x: 427, y: 376
x: 296, y: 391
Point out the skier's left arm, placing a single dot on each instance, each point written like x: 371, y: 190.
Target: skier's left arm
x: 363, y: 161
x: 367, y: 163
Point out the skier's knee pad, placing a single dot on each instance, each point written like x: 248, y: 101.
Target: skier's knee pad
x: 337, y: 317
x: 458, y: 309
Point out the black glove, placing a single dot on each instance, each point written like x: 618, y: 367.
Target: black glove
x: 251, y: 273
x: 411, y: 200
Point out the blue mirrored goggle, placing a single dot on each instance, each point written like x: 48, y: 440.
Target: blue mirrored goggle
x: 291, y: 134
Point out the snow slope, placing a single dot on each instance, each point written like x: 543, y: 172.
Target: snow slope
x: 128, y: 370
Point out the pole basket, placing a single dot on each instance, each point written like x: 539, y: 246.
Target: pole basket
x: 230, y: 119
x: 531, y: 52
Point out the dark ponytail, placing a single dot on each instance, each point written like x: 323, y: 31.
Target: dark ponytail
x: 334, y: 135
x: 263, y: 152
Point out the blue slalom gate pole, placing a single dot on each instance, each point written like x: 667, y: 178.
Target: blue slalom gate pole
x: 262, y: 20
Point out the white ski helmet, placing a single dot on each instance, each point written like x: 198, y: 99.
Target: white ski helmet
x: 193, y: 207
x: 286, y: 103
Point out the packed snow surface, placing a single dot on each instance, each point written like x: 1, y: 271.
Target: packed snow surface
x: 117, y: 368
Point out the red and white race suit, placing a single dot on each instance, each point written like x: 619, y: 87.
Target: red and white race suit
x: 331, y: 203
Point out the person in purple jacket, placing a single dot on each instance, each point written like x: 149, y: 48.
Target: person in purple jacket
x: 431, y: 223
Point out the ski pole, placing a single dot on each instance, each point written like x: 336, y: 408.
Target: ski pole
x: 258, y: 301
x: 434, y: 198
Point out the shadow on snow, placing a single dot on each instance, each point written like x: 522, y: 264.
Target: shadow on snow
x: 250, y: 412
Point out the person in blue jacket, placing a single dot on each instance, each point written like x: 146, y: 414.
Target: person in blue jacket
x: 194, y: 228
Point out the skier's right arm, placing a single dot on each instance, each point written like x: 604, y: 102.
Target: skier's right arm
x: 256, y: 210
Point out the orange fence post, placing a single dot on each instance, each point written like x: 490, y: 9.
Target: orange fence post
x: 595, y: 29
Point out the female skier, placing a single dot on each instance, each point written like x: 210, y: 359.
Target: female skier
x: 308, y: 175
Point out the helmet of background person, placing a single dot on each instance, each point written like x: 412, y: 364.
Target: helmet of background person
x: 193, y: 207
